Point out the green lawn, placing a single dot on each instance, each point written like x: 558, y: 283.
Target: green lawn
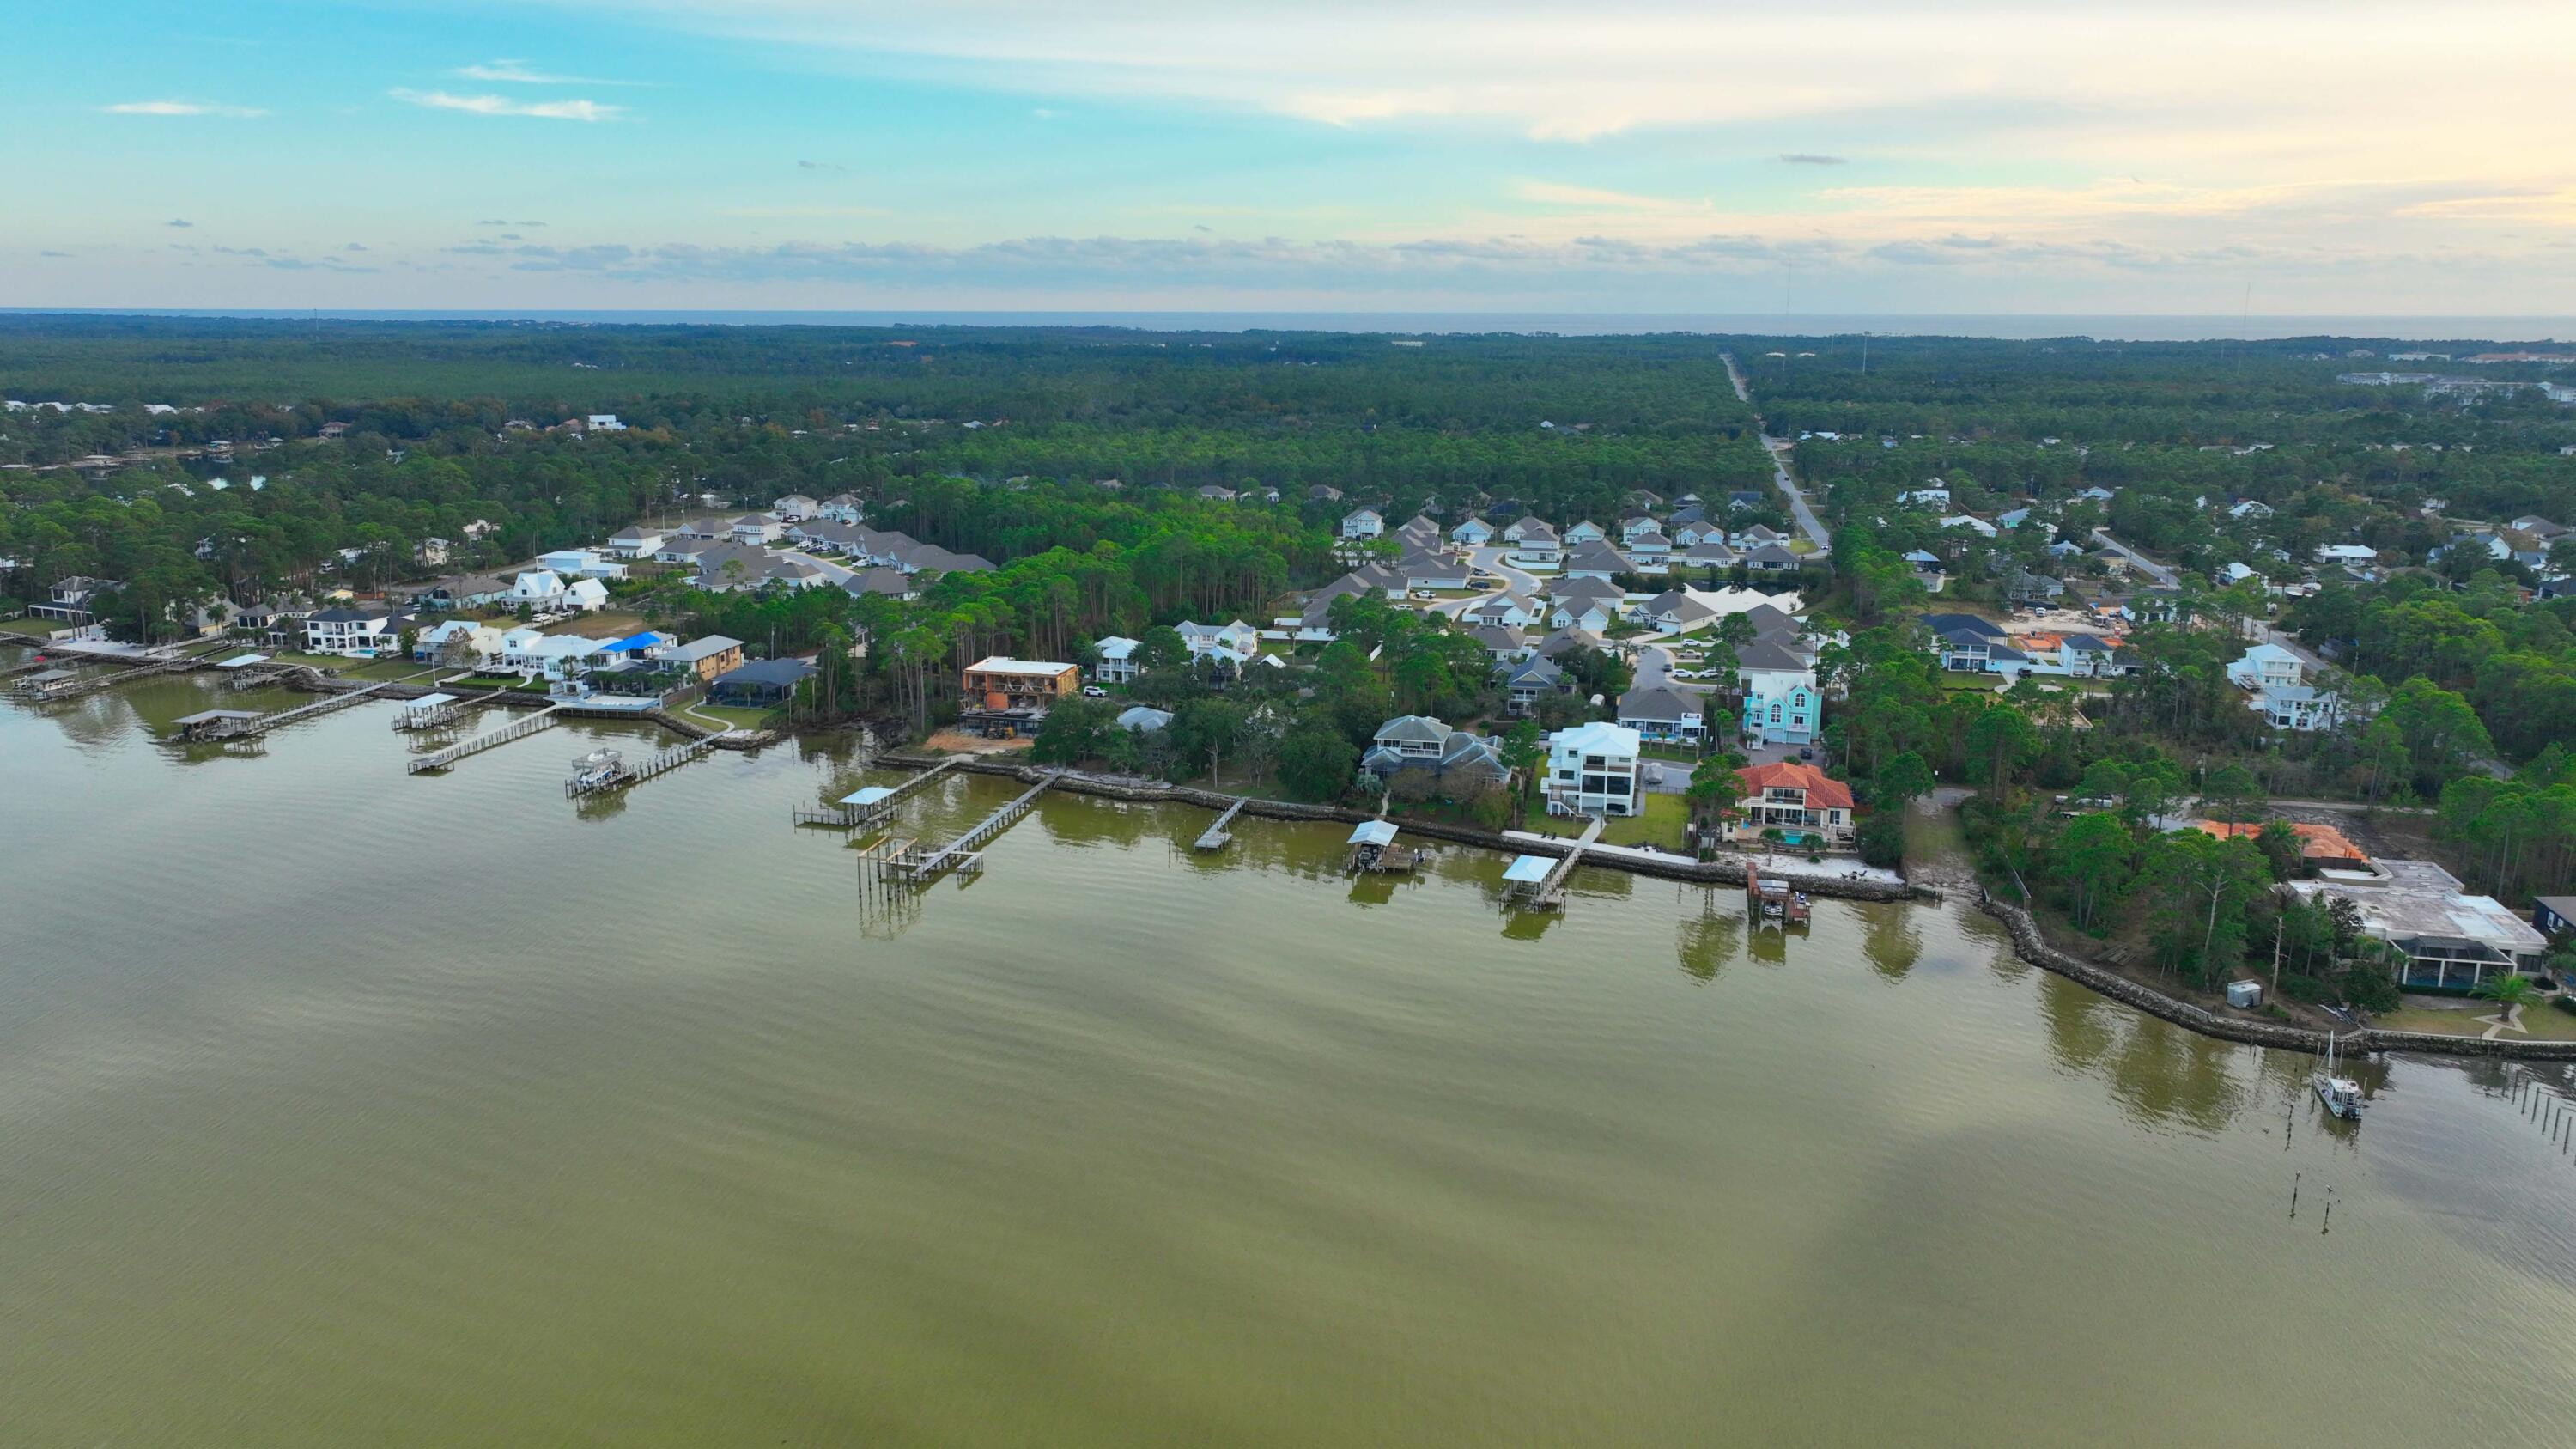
x: 1660, y: 825
x: 2546, y: 1022
x: 733, y: 716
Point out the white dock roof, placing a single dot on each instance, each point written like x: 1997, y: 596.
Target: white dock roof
x: 239, y: 660
x: 1529, y: 869
x: 1373, y: 832
x: 868, y: 796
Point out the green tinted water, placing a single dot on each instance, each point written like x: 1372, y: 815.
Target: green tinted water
x: 344, y: 1107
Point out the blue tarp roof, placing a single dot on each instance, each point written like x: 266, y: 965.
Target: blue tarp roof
x: 634, y: 643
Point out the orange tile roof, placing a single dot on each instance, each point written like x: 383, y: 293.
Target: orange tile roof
x: 1788, y: 774
x: 2316, y: 842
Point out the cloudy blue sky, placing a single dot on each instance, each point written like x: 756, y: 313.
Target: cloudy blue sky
x: 1834, y: 156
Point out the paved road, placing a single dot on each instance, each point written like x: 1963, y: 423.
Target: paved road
x: 2137, y: 560
x: 1778, y: 449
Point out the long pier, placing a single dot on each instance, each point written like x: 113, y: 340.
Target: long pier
x: 964, y: 853
x: 854, y: 813
x: 1216, y: 836
x: 322, y: 706
x: 625, y: 775
x: 517, y: 729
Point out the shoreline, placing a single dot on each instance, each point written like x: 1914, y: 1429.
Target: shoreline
x: 2026, y: 939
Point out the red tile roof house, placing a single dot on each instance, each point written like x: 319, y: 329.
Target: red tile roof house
x: 1793, y: 799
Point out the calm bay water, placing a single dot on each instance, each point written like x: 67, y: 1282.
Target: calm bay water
x: 343, y: 1107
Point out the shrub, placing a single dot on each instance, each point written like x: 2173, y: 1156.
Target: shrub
x: 2370, y: 988
x: 2566, y: 1004
x: 2305, y: 988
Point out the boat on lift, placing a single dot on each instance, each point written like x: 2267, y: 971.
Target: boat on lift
x: 598, y: 770
x: 2342, y: 1095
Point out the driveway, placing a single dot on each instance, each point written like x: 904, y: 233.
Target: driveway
x: 2137, y: 560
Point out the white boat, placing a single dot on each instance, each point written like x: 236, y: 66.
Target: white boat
x: 2342, y: 1095
x: 598, y: 768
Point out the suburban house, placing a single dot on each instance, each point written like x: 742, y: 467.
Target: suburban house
x: 581, y: 563
x: 1473, y: 533
x: 892, y: 583
x: 1536, y: 543
x: 1235, y: 643
x: 706, y: 658
x: 1650, y: 551
x: 1970, y: 522
x: 1592, y: 770
x: 1505, y: 645
x: 1526, y: 681
x: 1503, y: 611
x: 1419, y: 742
x: 840, y: 508
x: 1424, y: 569
x: 1673, y: 611
x: 460, y: 591
x: 753, y: 529
x: 1658, y: 713
x: 1002, y: 682
x: 795, y: 506
x: 1585, y: 532
x: 538, y: 589
x: 1935, y: 496
x: 1710, y: 552
x: 705, y: 528
x: 1144, y: 719
x: 354, y: 633
x: 1117, y: 662
x: 1636, y: 526
x: 2554, y: 914
x: 1770, y: 558
x: 2266, y: 665
x: 1592, y: 615
x: 1756, y: 536
x: 761, y: 682
x: 1569, y: 638
x: 1363, y: 523
x: 1794, y: 799
x: 1970, y: 644
x: 636, y: 541
x: 1782, y: 703
x: 1594, y: 560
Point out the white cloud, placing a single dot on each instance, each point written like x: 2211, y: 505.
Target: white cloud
x: 182, y: 108
x: 516, y: 72
x: 504, y: 106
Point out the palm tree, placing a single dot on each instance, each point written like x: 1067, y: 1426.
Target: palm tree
x: 2508, y: 990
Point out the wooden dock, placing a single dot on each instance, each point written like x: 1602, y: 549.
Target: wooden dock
x: 863, y: 808
x: 660, y: 764
x: 50, y: 685
x: 1547, y: 891
x: 317, y: 708
x: 517, y: 729
x: 1216, y: 836
x: 965, y: 854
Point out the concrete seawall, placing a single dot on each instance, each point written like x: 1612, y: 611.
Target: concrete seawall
x: 2032, y: 947
x: 1721, y: 872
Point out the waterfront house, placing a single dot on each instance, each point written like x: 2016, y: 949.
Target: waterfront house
x: 354, y: 633
x: 1663, y: 714
x: 706, y: 657
x: 479, y: 643
x: 2447, y: 940
x: 1144, y: 719
x: 69, y: 599
x: 761, y: 682
x: 1796, y: 800
x: 1001, y: 682
x: 1116, y: 659
x: 1419, y: 742
x: 1592, y: 770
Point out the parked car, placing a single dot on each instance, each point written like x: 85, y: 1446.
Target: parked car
x: 1806, y: 754
x: 1094, y: 691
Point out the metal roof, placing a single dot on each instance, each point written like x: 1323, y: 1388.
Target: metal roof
x: 430, y: 701
x: 1529, y: 869
x: 868, y: 796
x: 1372, y: 832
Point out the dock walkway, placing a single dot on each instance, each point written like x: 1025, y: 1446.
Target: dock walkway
x: 660, y: 764
x: 862, y: 808
x: 965, y: 853
x: 1216, y: 836
x: 517, y: 729
x: 1548, y: 893
x: 322, y: 706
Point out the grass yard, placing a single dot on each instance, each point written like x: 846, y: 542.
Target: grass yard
x: 606, y: 624
x: 2546, y: 1022
x: 734, y: 716
x: 1660, y: 825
